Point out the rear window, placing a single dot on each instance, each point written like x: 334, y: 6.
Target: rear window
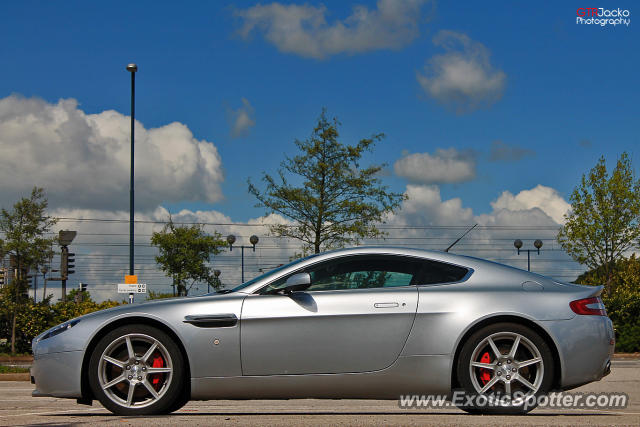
x: 433, y: 272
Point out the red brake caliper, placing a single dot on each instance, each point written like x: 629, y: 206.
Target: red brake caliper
x: 485, y: 376
x: 157, y: 363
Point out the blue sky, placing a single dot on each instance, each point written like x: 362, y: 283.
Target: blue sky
x: 564, y: 84
x: 562, y: 96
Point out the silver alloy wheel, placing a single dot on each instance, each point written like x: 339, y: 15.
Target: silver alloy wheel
x: 126, y: 373
x: 515, y: 366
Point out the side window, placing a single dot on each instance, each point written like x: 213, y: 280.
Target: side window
x: 357, y: 272
x: 434, y: 272
x: 363, y: 272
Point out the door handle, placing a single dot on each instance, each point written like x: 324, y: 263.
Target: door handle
x: 386, y: 304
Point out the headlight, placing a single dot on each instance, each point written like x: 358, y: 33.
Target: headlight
x: 59, y: 329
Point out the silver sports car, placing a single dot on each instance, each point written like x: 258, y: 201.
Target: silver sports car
x: 368, y: 322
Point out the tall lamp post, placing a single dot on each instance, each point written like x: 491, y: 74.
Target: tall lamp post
x: 518, y: 244
x: 231, y: 239
x: 132, y: 68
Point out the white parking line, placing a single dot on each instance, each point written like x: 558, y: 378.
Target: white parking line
x: 53, y: 412
x: 16, y: 389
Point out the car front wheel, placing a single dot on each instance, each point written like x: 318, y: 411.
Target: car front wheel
x: 137, y: 370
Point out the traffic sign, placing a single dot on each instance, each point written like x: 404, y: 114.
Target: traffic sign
x: 132, y: 288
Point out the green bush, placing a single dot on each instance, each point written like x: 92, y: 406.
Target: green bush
x: 623, y: 307
x: 12, y: 370
x: 159, y: 295
x: 35, y: 318
x: 628, y: 338
x: 622, y: 301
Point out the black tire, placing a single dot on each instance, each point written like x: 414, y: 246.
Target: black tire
x: 182, y: 400
x: 169, y: 385
x: 508, y: 374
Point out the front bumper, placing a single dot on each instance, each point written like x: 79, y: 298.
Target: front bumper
x: 57, y: 374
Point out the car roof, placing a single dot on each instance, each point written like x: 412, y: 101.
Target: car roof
x: 464, y: 260
x: 469, y: 262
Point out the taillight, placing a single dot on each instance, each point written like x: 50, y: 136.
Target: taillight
x: 588, y: 306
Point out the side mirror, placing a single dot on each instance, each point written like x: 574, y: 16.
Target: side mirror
x: 297, y: 282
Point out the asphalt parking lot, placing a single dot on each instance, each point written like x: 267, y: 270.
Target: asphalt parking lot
x: 17, y: 407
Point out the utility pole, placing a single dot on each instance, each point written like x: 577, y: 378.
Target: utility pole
x: 64, y: 271
x: 44, y: 271
x: 3, y: 270
x: 35, y: 286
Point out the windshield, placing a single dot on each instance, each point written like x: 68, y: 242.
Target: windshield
x: 275, y: 270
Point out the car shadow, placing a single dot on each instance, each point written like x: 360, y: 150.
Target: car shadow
x: 183, y: 413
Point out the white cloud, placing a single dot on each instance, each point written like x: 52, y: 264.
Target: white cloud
x: 242, y: 119
x: 444, y: 166
x: 463, y: 77
x: 82, y: 160
x: 428, y: 221
x: 425, y: 206
x: 532, y: 217
x: 303, y: 29
x: 547, y: 199
x: 538, y: 206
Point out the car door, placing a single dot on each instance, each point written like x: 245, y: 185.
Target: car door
x: 355, y: 317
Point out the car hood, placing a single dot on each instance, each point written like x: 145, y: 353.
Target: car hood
x: 169, y: 311
x: 151, y: 306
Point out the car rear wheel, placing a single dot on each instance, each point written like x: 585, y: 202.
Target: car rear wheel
x: 503, y: 368
x: 137, y: 370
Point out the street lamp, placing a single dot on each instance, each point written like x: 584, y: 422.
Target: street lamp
x: 132, y: 68
x: 518, y: 244
x: 231, y: 239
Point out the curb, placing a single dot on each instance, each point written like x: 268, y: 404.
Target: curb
x: 626, y: 355
x: 16, y: 359
x: 24, y: 376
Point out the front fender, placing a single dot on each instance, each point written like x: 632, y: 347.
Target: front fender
x: 211, y: 349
